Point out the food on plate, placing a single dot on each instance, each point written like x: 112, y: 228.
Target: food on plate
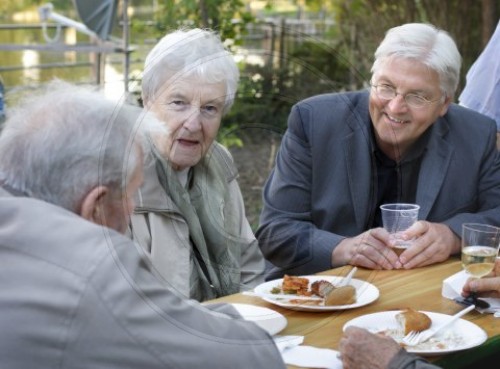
x: 296, y: 286
x: 446, y: 341
x: 344, y: 295
x: 322, y: 288
x: 412, y: 320
x: 331, y: 294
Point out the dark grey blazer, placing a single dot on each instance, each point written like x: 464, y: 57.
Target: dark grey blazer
x: 321, y: 189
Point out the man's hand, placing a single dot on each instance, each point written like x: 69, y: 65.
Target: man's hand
x: 360, y: 349
x: 369, y: 249
x: 434, y: 242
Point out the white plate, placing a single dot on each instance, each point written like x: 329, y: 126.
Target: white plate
x: 269, y: 320
x: 461, y: 335
x: 365, y: 294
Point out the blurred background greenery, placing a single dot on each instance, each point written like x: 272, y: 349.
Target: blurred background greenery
x: 287, y: 49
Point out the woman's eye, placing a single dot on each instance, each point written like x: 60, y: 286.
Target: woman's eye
x: 176, y: 105
x: 210, y: 109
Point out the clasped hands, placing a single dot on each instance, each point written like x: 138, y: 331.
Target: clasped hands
x: 432, y: 243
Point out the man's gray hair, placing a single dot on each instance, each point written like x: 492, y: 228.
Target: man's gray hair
x: 186, y: 53
x: 60, y: 144
x: 427, y: 44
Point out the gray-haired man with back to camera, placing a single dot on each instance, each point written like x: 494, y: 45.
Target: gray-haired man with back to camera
x: 74, y: 292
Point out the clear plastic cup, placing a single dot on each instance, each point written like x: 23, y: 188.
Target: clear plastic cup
x: 397, y: 218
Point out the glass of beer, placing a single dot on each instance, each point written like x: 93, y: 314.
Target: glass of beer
x: 480, y: 244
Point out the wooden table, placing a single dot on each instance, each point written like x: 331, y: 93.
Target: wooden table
x: 418, y: 288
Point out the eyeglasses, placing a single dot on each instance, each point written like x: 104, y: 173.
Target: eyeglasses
x: 387, y: 92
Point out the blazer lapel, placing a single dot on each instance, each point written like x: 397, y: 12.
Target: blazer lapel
x: 433, y: 169
x: 357, y: 148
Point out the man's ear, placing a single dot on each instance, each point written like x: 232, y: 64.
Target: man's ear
x: 446, y: 105
x: 92, y: 204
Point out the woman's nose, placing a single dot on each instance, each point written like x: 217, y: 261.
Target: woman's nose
x: 193, y: 120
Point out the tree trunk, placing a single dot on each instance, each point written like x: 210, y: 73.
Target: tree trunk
x: 489, y: 20
x: 204, y: 14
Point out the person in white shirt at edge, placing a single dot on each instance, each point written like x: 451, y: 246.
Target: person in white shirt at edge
x: 482, y: 89
x: 190, y: 214
x: 74, y: 292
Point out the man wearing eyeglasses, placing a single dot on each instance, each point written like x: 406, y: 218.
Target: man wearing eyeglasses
x: 404, y: 140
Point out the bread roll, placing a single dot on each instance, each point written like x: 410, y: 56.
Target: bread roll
x: 412, y: 320
x: 344, y: 295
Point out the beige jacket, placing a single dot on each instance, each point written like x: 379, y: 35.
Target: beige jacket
x: 159, y: 226
x: 78, y: 295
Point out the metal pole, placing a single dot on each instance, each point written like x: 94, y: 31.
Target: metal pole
x: 2, y: 102
x: 98, y: 68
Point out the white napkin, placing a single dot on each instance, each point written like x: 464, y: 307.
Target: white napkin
x: 286, y: 342
x: 452, y: 288
x: 306, y: 356
x: 312, y: 357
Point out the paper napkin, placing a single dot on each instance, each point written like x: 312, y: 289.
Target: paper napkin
x: 287, y: 342
x: 312, y: 357
x: 306, y: 356
x: 452, y: 288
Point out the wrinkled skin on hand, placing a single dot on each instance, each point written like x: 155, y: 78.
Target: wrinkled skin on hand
x: 434, y: 243
x: 369, y: 249
x: 360, y: 349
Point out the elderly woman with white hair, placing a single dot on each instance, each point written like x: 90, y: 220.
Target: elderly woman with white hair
x: 190, y: 214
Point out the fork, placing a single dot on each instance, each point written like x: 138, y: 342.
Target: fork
x: 414, y: 338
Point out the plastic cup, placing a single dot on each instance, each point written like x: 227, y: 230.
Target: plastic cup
x: 480, y: 244
x: 397, y: 218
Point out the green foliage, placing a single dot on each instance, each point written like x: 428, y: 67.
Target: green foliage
x: 9, y: 7
x: 228, y: 137
x: 319, y: 5
x: 58, y: 4
x: 228, y: 17
x: 266, y: 93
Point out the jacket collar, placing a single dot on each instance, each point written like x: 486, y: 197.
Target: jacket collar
x: 151, y: 196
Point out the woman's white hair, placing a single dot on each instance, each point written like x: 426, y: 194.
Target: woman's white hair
x: 426, y: 44
x: 189, y: 53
